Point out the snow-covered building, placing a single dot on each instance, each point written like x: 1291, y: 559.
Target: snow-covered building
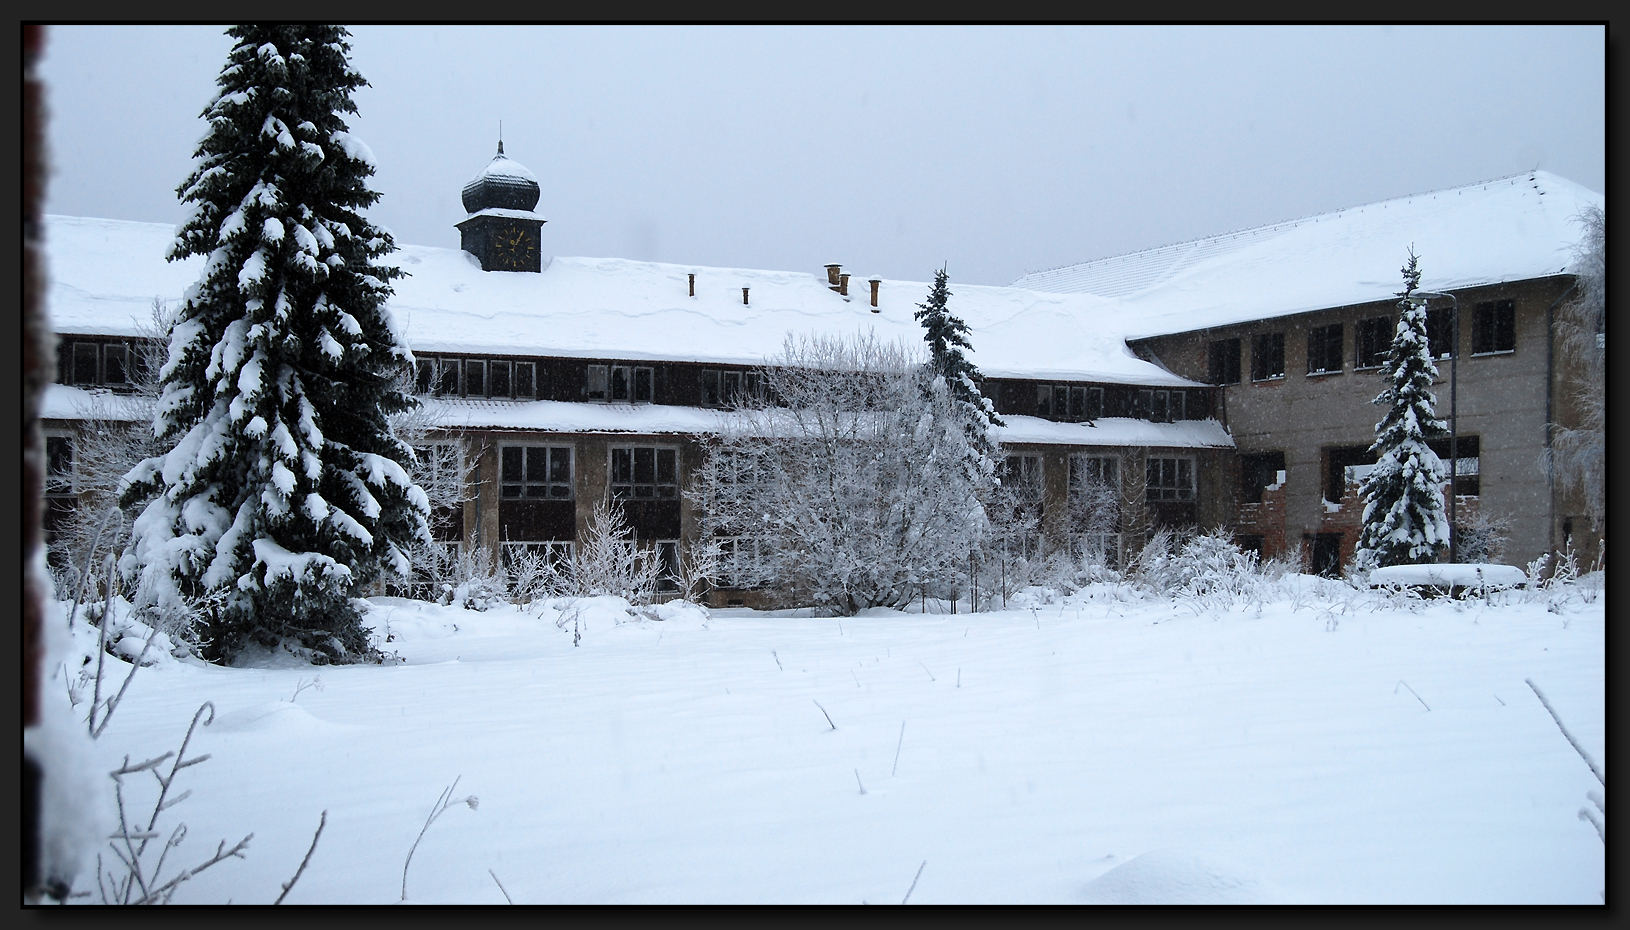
x: 565, y: 380
x: 1291, y: 321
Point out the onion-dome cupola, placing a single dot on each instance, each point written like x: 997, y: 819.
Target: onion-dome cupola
x: 501, y: 230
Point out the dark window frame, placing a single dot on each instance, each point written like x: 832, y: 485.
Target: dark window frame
x: 1372, y: 341
x: 1440, y: 326
x: 628, y: 478
x: 1494, y: 327
x: 1222, y: 361
x: 1170, y: 478
x: 536, y: 471
x: 1325, y: 345
x: 1268, y: 357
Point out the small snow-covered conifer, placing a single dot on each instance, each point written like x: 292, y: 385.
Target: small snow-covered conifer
x: 1404, y: 519
x: 947, y: 335
x: 283, y: 489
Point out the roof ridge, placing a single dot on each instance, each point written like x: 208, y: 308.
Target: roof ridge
x: 1277, y: 224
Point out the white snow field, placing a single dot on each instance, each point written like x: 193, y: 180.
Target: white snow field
x: 1334, y: 745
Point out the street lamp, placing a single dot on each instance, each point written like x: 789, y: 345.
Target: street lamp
x: 1425, y: 297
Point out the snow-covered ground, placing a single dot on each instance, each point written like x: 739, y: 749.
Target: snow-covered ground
x: 1331, y: 745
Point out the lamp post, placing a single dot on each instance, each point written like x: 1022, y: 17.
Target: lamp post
x: 1425, y: 297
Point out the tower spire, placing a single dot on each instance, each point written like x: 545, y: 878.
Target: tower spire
x: 500, y: 137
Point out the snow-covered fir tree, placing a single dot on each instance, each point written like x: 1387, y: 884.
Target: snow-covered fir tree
x: 1404, y: 519
x: 947, y: 335
x: 283, y: 490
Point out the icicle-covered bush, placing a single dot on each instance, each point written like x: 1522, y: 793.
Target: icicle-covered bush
x: 284, y: 485
x: 857, y: 488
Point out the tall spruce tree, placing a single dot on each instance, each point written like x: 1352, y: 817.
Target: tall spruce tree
x: 284, y: 488
x: 947, y: 335
x: 1404, y: 519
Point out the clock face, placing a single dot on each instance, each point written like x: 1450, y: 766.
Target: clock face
x: 513, y: 248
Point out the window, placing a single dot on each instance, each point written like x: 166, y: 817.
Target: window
x: 645, y: 473
x: 113, y: 363
x: 440, y: 470
x: 59, y: 465
x: 1095, y: 509
x: 740, y: 565
x: 1324, y: 350
x: 1158, y: 406
x: 724, y: 388
x: 85, y: 366
x: 667, y: 554
x: 1374, y: 340
x: 1494, y: 327
x: 1345, y: 464
x: 1069, y: 403
x: 1267, y: 356
x: 525, y: 382
x: 555, y: 553
x: 594, y: 382
x: 1169, y: 479
x: 1092, y: 403
x: 1022, y: 473
x: 1441, y: 339
x: 447, y: 376
x: 475, y: 377
x: 536, y: 472
x: 1223, y: 361
x: 81, y: 361
x: 1258, y: 470
x: 425, y: 375
x: 498, y: 382
x: 620, y: 383
x: 1468, y: 478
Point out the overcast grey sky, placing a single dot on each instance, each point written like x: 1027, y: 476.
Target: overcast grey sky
x: 994, y: 150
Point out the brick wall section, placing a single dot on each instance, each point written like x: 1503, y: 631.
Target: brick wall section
x: 1503, y: 399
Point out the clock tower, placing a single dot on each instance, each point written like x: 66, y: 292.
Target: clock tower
x: 501, y: 230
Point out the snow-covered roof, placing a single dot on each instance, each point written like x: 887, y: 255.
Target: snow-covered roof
x: 1508, y: 229
x: 502, y: 166
x: 105, y: 274
x: 656, y: 419
x: 64, y: 402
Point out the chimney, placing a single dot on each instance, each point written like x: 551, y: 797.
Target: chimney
x: 843, y: 285
x: 744, y: 295
x: 832, y: 275
x: 692, y: 284
x: 875, y: 282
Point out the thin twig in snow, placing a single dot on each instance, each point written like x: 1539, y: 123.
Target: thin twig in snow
x: 855, y: 677
x: 897, y: 746
x: 302, y: 869
x: 85, y: 575
x: 827, y: 716
x: 1594, y: 770
x: 1411, y: 691
x: 443, y: 802
x: 777, y: 660
x: 500, y: 886
x: 914, y: 882
x: 930, y: 674
x: 113, y: 702
x: 1497, y: 698
x: 101, y: 649
x: 859, y: 782
x: 959, y: 676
